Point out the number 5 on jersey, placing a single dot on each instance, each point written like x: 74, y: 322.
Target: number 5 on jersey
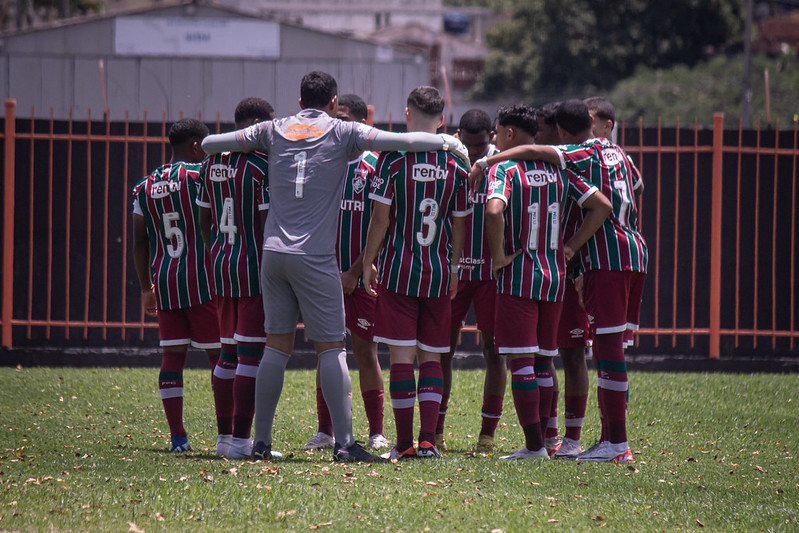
x: 173, y: 233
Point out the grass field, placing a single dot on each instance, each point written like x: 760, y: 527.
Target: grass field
x: 85, y: 450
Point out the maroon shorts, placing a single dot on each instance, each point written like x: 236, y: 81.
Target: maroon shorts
x: 241, y: 319
x: 483, y: 294
x: 613, y: 300
x: 403, y: 320
x: 359, y: 312
x: 573, y: 328
x: 525, y: 326
x: 196, y: 325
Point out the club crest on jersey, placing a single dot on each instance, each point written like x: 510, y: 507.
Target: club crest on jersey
x: 220, y: 172
x: 540, y: 178
x: 428, y: 172
x: 611, y: 156
x: 162, y: 189
x: 359, y: 181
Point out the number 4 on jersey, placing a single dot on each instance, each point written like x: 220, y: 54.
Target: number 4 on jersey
x: 227, y: 221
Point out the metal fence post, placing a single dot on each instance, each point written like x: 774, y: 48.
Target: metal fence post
x: 8, y: 222
x: 715, y: 237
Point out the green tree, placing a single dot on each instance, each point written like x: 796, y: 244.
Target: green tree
x: 550, y: 47
x: 707, y: 88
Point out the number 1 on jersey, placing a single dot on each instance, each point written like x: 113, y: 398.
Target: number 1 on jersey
x: 299, y: 179
x: 227, y: 221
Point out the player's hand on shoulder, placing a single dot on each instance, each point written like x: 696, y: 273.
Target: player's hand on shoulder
x: 454, y: 146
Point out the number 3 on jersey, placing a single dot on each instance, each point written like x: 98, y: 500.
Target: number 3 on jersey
x: 429, y: 210
x: 227, y: 221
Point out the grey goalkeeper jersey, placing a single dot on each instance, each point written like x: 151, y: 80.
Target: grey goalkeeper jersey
x: 308, y: 156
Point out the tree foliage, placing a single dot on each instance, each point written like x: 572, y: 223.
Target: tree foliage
x: 707, y: 88
x: 551, y: 47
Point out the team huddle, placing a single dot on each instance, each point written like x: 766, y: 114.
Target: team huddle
x: 392, y: 237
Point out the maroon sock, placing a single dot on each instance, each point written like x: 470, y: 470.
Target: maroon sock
x: 249, y: 355
x: 552, y: 426
x: 491, y: 413
x: 574, y: 415
x: 546, y: 385
x: 612, y: 381
x: 429, y: 390
x: 442, y: 414
x: 170, y: 384
x: 403, y: 399
x: 373, y: 405
x: 224, y: 374
x: 323, y: 414
x: 526, y: 398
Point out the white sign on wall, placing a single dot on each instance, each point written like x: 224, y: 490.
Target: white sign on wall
x: 196, y: 37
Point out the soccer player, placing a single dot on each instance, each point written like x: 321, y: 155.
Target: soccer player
x: 523, y: 219
x: 233, y: 203
x: 172, y: 265
x: 308, y: 154
x: 476, y: 285
x: 614, y: 261
x: 359, y: 306
x: 417, y: 226
x: 573, y: 328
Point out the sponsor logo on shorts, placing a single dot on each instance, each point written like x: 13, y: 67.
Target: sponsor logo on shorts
x: 577, y: 333
x: 427, y: 172
x: 220, y: 172
x: 611, y: 157
x: 364, y: 324
x: 540, y: 178
x: 590, y: 319
x: 162, y: 189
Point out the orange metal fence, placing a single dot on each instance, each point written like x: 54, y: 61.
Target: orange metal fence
x: 718, y: 214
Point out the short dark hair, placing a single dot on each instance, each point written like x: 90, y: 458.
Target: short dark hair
x: 317, y: 89
x: 520, y: 116
x: 187, y: 130
x: 355, y: 104
x: 427, y: 100
x: 476, y: 120
x: 547, y: 113
x: 253, y: 108
x: 572, y: 115
x: 602, y: 108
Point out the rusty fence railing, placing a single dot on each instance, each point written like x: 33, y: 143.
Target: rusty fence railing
x: 718, y: 212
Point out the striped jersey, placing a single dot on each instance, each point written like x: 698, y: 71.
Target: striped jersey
x: 534, y: 194
x: 476, y: 259
x: 233, y: 186
x: 356, y: 210
x: 617, y: 245
x: 425, y: 191
x: 179, y: 264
